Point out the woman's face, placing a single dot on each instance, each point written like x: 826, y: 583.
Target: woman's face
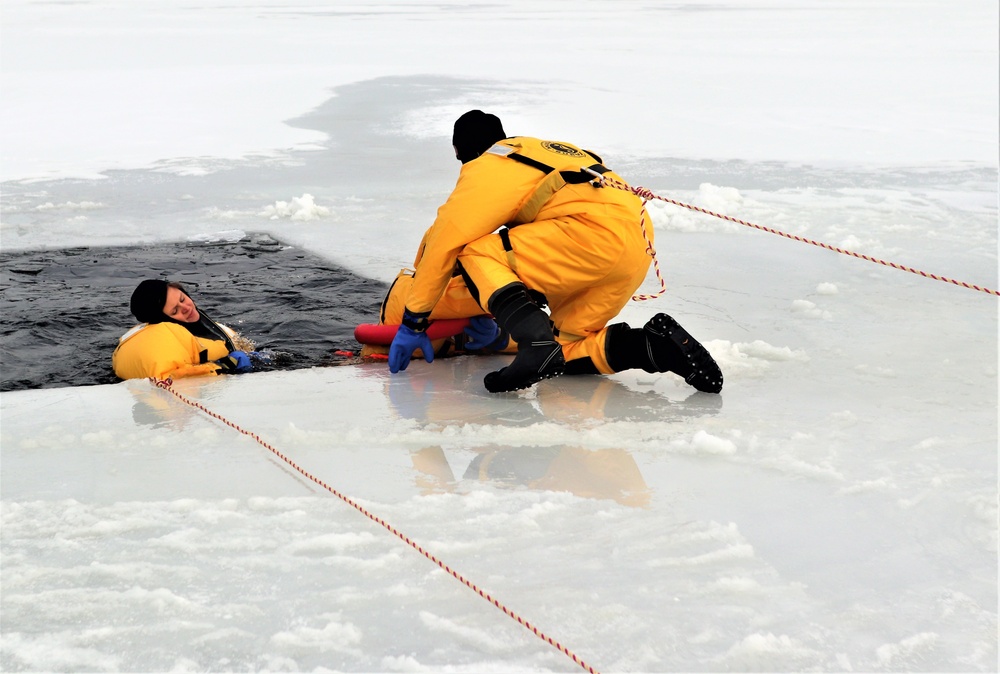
x: 179, y: 306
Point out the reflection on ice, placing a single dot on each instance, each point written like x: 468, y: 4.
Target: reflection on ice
x: 587, y: 473
x: 572, y: 400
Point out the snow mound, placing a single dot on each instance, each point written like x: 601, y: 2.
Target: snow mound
x: 722, y: 200
x: 302, y: 208
x: 751, y: 358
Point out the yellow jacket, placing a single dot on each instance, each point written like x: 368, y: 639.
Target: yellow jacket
x: 505, y: 186
x: 165, y: 350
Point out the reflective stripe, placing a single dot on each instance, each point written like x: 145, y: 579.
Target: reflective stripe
x: 507, y: 246
x: 132, y: 332
x: 500, y: 150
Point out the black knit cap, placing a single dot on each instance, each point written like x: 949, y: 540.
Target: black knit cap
x: 475, y: 132
x: 147, y: 301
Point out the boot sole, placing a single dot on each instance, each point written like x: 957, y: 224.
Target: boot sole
x: 706, y: 375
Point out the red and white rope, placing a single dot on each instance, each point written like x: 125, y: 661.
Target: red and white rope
x: 646, y: 195
x: 652, y: 253
x: 167, y: 385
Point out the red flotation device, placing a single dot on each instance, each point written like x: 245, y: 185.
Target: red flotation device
x: 381, y: 335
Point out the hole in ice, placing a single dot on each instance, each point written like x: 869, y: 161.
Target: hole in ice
x: 64, y: 310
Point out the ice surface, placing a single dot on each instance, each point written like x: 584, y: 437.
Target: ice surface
x: 834, y: 509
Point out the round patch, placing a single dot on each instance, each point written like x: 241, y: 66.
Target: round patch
x: 562, y: 148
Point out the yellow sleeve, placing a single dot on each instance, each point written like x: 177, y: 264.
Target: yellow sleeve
x: 175, y: 371
x: 489, y: 192
x: 164, y: 350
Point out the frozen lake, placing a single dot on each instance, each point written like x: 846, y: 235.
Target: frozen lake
x: 834, y: 509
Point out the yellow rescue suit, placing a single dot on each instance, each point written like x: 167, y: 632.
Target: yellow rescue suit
x: 165, y: 350
x: 580, y: 245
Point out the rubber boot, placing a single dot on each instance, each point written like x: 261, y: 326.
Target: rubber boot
x: 662, y: 345
x: 539, y: 355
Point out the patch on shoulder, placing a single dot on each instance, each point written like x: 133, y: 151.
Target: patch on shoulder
x: 500, y: 150
x: 562, y: 148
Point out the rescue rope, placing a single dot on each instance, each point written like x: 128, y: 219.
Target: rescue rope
x: 167, y: 385
x: 652, y: 253
x: 646, y: 195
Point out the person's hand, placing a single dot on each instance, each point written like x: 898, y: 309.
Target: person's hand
x: 242, y: 361
x: 237, y: 362
x: 404, y: 344
x: 410, y: 336
x: 484, y: 333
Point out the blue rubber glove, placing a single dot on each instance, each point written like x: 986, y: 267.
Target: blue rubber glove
x: 483, y: 332
x: 243, y: 363
x: 237, y: 362
x: 406, y: 341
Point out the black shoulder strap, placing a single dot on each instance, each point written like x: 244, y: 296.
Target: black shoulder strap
x: 534, y: 163
x: 215, y: 331
x: 571, y: 177
x: 581, y: 176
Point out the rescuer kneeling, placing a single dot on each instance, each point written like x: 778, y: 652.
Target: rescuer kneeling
x: 528, y: 225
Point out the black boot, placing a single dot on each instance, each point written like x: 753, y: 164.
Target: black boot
x: 662, y: 345
x: 539, y: 355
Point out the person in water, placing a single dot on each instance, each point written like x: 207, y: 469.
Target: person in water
x: 176, y: 338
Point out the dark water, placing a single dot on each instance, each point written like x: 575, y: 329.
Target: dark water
x: 62, y: 311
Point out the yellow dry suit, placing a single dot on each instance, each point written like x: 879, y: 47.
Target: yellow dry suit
x: 578, y: 244
x: 165, y: 350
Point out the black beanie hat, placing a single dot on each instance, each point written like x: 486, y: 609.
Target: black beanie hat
x: 147, y: 301
x: 475, y: 133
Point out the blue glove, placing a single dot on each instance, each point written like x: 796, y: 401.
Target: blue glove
x: 237, y: 362
x: 406, y: 341
x: 483, y: 332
